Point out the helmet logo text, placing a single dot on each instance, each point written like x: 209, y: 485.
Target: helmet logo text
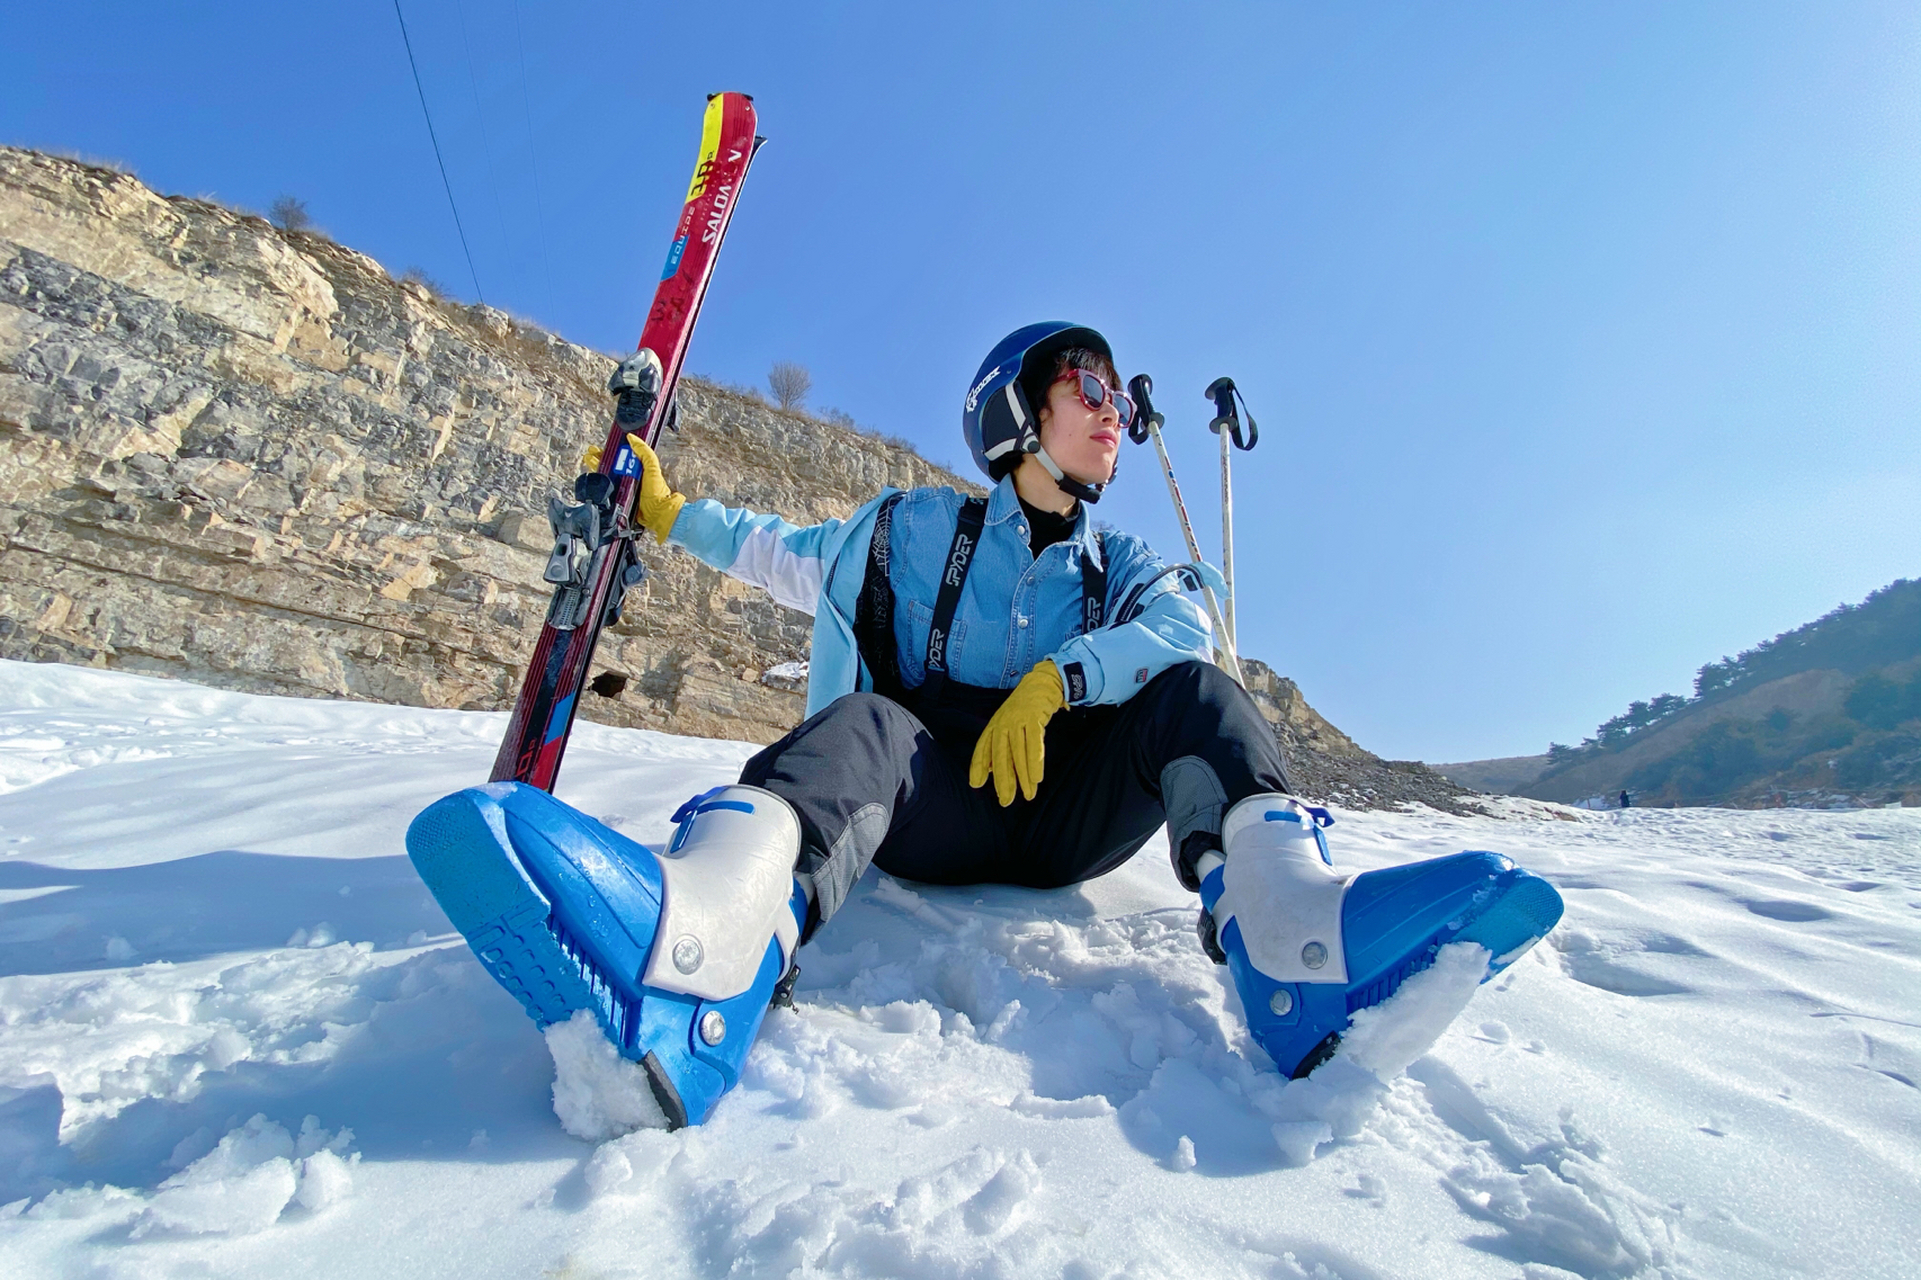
x: 974, y: 394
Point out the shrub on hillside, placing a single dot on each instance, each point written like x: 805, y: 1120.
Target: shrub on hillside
x: 417, y: 276
x: 1880, y: 703
x: 1731, y: 755
x: 1879, y: 761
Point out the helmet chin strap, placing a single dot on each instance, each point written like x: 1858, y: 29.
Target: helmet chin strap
x: 1067, y: 484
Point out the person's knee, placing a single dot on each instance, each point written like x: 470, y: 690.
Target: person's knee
x: 871, y: 717
x: 853, y: 721
x: 869, y: 708
x: 1200, y: 707
x: 1195, y: 680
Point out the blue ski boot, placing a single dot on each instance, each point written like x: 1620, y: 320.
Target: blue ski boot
x: 677, y: 955
x: 1309, y: 946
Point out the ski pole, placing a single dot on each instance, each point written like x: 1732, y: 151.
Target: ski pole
x: 1147, y: 423
x: 1222, y: 392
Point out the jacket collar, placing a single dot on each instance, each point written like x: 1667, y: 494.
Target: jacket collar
x: 1004, y: 504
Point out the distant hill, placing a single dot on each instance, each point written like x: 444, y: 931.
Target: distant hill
x: 1829, y: 713
x: 1504, y: 776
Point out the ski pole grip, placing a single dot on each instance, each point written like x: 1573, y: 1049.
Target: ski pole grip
x: 1222, y: 392
x: 1141, y: 388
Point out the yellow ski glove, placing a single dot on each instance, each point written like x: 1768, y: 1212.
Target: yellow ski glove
x: 1011, y: 747
x: 659, y: 505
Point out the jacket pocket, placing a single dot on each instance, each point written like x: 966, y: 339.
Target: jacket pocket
x: 919, y: 621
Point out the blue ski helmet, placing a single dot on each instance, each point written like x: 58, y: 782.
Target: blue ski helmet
x: 996, y: 419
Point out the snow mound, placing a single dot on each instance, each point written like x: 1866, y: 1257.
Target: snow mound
x: 250, y: 1177
x: 597, y: 1093
x: 785, y: 675
x: 1386, y: 1039
x: 119, y: 1038
x: 241, y: 1187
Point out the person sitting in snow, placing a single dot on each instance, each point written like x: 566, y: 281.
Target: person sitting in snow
x: 998, y: 693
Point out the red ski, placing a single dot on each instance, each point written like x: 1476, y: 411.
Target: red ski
x: 593, y: 561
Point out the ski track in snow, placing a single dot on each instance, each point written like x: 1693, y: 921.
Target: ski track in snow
x: 237, y: 1037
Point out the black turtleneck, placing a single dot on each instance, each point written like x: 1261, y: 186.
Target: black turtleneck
x: 1044, y: 528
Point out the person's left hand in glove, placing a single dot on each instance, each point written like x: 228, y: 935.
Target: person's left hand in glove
x: 1012, y: 746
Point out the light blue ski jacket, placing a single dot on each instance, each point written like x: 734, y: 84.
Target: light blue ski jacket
x: 1015, y: 609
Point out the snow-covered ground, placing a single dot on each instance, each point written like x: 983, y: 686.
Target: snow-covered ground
x: 238, y: 1039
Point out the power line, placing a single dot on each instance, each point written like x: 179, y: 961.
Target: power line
x: 533, y: 154
x: 480, y: 113
x: 444, y: 181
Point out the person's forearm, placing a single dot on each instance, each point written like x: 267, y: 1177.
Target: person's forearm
x: 1109, y: 666
x: 765, y: 551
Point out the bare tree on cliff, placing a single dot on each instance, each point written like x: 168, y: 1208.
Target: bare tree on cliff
x: 790, y: 384
x: 290, y: 214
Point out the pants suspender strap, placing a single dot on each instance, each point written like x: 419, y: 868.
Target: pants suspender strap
x: 960, y: 557
x: 1093, y: 614
x: 1093, y: 591
x: 874, y: 610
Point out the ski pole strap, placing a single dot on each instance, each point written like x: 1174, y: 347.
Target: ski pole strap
x: 874, y: 610
x: 960, y: 558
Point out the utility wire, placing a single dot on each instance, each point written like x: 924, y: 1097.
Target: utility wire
x: 444, y: 181
x: 480, y: 113
x: 533, y: 154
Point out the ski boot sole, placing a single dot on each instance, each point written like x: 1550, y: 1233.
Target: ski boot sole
x: 471, y: 866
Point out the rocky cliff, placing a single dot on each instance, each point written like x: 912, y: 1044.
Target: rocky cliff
x: 251, y: 458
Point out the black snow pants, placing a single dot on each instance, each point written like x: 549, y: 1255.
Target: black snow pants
x: 875, y: 780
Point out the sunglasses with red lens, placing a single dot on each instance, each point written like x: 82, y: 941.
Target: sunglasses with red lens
x: 1095, y: 394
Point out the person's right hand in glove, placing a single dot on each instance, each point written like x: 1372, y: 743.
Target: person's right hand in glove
x: 659, y: 504
x: 1012, y: 749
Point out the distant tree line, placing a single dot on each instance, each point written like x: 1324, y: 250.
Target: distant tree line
x: 1885, y: 628
x: 1872, y: 742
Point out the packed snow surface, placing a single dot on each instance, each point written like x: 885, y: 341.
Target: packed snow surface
x: 237, y: 1038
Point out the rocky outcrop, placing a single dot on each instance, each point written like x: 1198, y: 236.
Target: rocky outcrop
x: 251, y: 458
x: 1302, y: 729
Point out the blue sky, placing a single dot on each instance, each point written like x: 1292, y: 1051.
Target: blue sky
x: 1583, y: 337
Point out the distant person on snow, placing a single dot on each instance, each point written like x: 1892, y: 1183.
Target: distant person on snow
x: 957, y: 642
x: 1624, y: 800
